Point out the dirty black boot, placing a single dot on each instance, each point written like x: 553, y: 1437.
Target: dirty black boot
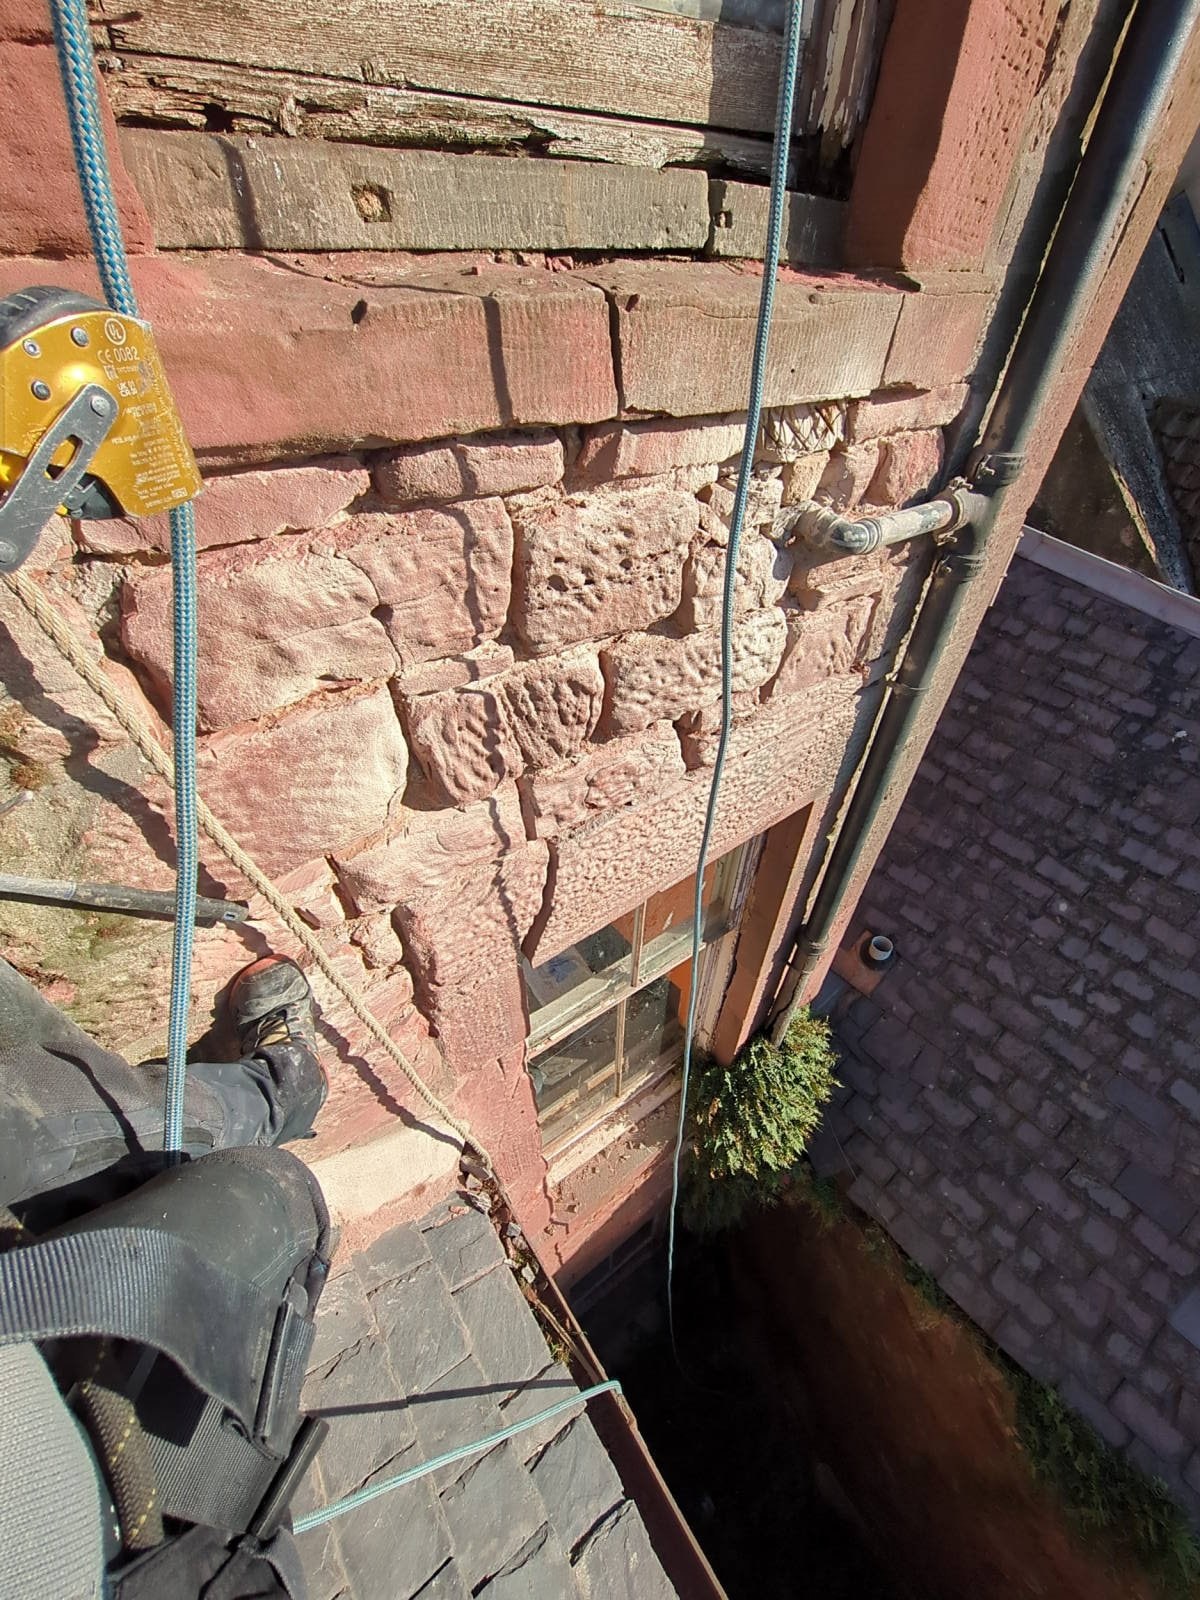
x: 272, y: 1010
x: 271, y: 1003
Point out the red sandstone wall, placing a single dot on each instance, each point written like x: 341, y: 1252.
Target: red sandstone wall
x: 460, y: 553
x: 456, y: 697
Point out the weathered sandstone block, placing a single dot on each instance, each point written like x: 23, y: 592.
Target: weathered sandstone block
x: 276, y: 620
x: 763, y: 573
x: 443, y: 575
x: 462, y: 945
x: 654, y: 676
x: 908, y: 465
x: 425, y: 857
x: 238, y: 506
x: 463, y: 469
x: 904, y: 411
x: 778, y: 761
x: 617, y: 773
x: 824, y: 644
x: 848, y: 476
x: 644, y: 449
x: 539, y: 713
x: 591, y: 565
x: 311, y: 783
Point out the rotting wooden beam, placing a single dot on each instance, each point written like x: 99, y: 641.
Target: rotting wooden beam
x: 584, y: 55
x: 812, y: 233
x: 165, y: 92
x: 227, y: 192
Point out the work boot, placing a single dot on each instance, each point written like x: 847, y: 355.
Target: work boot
x: 271, y: 1003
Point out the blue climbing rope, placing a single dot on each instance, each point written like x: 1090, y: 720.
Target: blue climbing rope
x: 362, y: 1497
x: 78, y: 70
x: 758, y: 368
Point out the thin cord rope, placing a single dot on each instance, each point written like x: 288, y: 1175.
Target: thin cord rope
x: 758, y: 364
x: 72, y: 648
x: 77, y: 69
x: 362, y: 1497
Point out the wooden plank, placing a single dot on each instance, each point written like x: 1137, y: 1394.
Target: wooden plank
x: 189, y: 94
x: 225, y: 192
x: 813, y: 226
x: 585, y: 55
x: 841, y: 64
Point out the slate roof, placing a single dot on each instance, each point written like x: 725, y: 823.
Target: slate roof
x: 1021, y: 1102
x: 425, y: 1342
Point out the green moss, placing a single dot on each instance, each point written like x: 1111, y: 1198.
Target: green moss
x: 750, y: 1122
x: 928, y: 1288
x: 821, y: 1195
x: 1103, y: 1492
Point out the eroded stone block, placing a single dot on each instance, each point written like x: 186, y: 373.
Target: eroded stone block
x: 592, y: 565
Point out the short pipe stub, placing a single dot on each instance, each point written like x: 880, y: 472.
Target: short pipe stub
x: 878, y: 950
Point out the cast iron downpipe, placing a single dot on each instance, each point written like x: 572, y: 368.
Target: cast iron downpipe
x: 1107, y: 182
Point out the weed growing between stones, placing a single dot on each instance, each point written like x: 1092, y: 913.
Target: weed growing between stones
x: 750, y: 1122
x: 1102, y: 1491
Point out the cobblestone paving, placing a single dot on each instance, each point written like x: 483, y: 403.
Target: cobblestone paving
x: 1022, y: 1091
x: 425, y: 1342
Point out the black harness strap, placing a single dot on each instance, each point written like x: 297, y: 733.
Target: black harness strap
x: 150, y: 1288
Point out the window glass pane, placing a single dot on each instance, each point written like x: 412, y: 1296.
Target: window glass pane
x: 654, y: 1024
x: 667, y: 937
x: 579, y: 978
x: 578, y: 1075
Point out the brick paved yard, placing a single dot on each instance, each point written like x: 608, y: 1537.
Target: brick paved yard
x: 425, y: 1342
x: 1022, y: 1091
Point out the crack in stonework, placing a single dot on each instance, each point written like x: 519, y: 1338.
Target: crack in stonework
x: 538, y: 925
x: 580, y: 1547
x: 532, y: 1547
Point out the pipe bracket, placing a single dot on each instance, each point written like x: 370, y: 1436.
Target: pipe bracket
x: 997, y: 470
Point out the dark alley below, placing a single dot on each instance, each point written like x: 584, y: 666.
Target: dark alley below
x: 762, y: 1506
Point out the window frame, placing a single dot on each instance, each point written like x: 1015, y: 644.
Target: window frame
x: 731, y: 885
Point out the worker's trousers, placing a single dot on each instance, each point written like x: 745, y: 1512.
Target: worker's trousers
x: 78, y: 1125
x: 220, y: 1260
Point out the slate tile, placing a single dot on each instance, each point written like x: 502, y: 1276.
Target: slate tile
x: 456, y: 1410
x: 504, y: 1334
x: 577, y: 1482
x: 546, y: 1389
x: 463, y: 1246
x: 1166, y: 1204
x: 418, y: 1320
x: 343, y: 1318
x: 323, y: 1572
x: 391, y: 1547
x: 369, y: 1424
x: 448, y: 1584
x: 395, y: 1254
x: 1185, y: 1318
x: 618, y: 1562
x: 539, y: 1571
x: 492, y: 1511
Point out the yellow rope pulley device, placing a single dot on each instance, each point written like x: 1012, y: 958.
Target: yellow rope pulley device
x: 87, y: 423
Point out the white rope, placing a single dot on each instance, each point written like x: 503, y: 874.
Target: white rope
x: 71, y: 647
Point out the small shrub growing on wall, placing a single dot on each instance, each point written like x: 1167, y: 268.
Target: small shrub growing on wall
x: 750, y: 1122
